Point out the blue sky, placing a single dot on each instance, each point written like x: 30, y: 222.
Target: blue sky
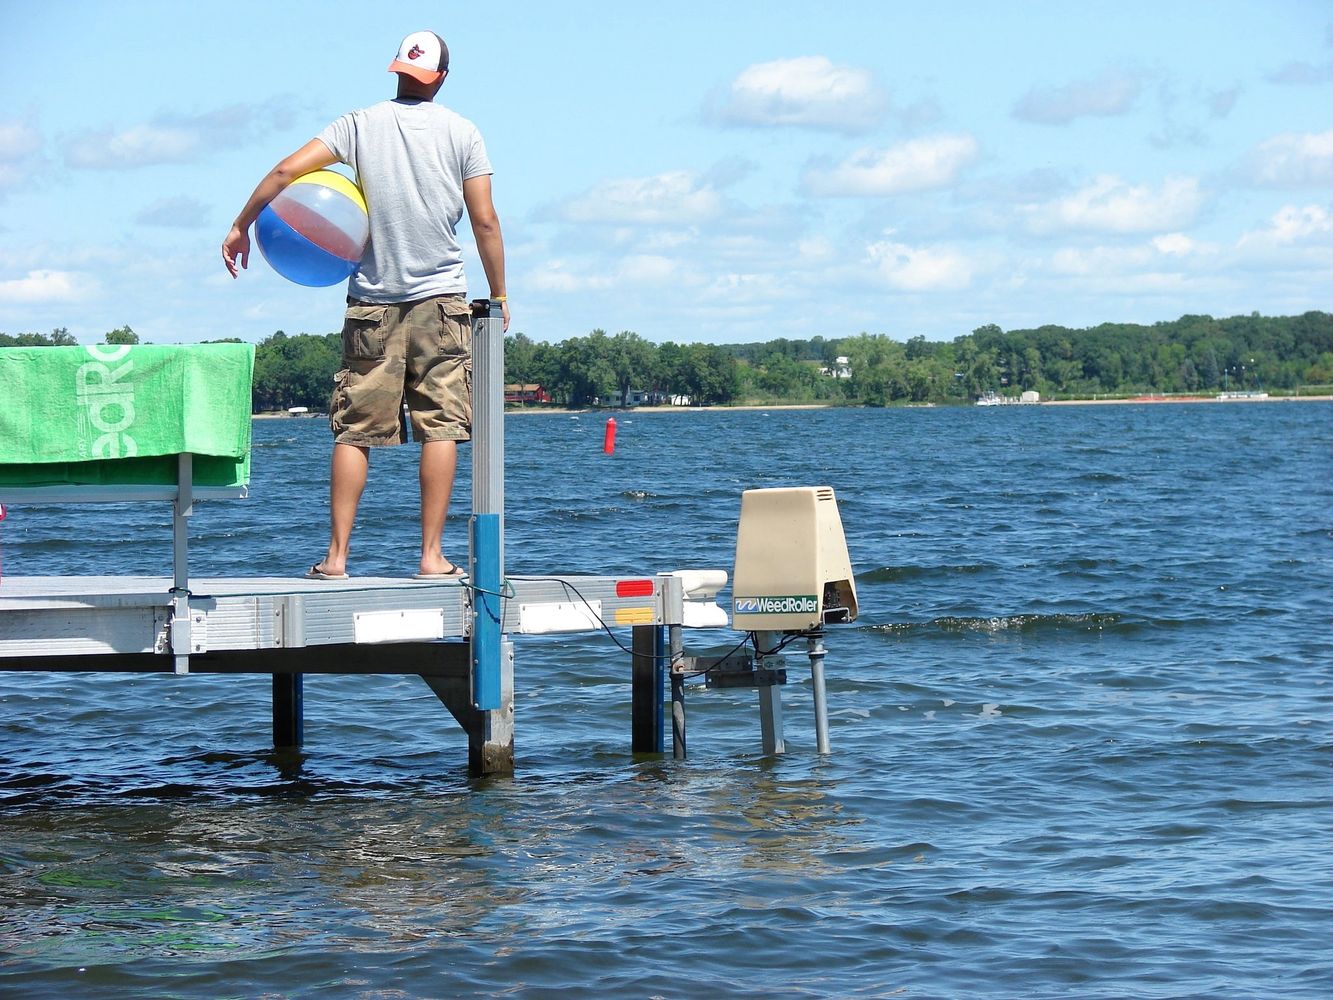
x: 717, y: 172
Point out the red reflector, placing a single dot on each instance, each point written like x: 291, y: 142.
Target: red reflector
x: 634, y: 588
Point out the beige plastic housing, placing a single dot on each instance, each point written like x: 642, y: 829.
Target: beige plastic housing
x: 792, y: 570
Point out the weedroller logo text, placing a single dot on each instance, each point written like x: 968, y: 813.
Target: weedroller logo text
x: 106, y: 400
x: 803, y: 604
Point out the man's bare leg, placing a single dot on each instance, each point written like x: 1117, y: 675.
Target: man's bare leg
x: 439, y: 459
x: 347, y: 479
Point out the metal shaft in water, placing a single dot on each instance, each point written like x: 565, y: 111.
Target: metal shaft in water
x: 815, y: 645
x: 676, y: 652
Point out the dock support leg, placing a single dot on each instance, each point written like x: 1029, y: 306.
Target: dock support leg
x: 770, y: 719
x: 815, y: 644
x: 646, y: 697
x: 677, y: 651
x: 288, y: 711
x: 770, y: 700
x: 490, y: 743
x: 490, y: 734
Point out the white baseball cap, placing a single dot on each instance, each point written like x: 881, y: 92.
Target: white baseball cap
x: 422, y: 56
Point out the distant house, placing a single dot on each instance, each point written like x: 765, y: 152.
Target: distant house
x: 529, y: 393
x: 841, y: 368
x: 636, y: 397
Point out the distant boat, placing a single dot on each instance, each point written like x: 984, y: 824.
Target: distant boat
x: 1223, y: 397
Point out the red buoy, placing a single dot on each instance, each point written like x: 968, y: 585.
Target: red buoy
x: 609, y: 441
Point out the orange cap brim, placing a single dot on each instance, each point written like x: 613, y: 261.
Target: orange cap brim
x: 415, y: 72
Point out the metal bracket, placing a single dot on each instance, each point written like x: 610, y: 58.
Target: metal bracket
x: 736, y: 671
x: 198, y: 631
x: 188, y: 631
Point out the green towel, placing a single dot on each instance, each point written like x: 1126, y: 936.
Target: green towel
x: 118, y: 415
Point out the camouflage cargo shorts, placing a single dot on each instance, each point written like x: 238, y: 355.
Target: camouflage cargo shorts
x: 418, y: 353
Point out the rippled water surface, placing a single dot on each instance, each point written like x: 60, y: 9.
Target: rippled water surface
x: 1082, y: 734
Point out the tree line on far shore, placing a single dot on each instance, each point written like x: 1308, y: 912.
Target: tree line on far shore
x: 1194, y: 354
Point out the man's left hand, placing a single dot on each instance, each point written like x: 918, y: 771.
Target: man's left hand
x: 236, y: 250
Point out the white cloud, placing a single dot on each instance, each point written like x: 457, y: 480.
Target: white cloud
x: 181, y: 212
x: 18, y: 141
x: 922, y: 164
x: 137, y: 146
x: 1174, y: 244
x: 638, y: 270
x: 173, y: 138
x: 1110, y: 204
x: 674, y: 198
x: 1107, y: 95
x: 1171, y: 250
x: 46, y: 286
x: 1099, y: 261
x: 1294, y: 159
x: 919, y: 269
x: 19, y: 147
x: 1297, y: 73
x: 1291, y: 225
x: 809, y: 91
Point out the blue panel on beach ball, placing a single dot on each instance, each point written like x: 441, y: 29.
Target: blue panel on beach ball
x: 297, y: 258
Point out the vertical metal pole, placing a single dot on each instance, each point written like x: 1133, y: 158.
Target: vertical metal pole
x: 486, y: 552
x: 289, y: 689
x: 815, y: 644
x: 288, y: 711
x: 491, y: 743
x: 770, y: 700
x: 677, y: 652
x: 646, y: 728
x: 182, y: 507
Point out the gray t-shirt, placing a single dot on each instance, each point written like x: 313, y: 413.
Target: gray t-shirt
x: 411, y: 158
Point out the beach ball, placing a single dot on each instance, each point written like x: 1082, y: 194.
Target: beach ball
x: 315, y: 231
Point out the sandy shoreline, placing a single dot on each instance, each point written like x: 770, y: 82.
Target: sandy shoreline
x: 1133, y: 400
x: 1184, y: 399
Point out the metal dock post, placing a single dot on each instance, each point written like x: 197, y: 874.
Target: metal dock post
x: 815, y: 645
x: 492, y: 670
x: 181, y: 508
x: 288, y: 711
x: 770, y: 697
x: 677, y: 654
x: 648, y: 649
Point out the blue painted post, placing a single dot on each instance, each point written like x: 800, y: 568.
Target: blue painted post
x: 486, y: 611
x: 487, y: 525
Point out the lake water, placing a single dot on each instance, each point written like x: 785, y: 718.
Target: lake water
x: 1082, y: 734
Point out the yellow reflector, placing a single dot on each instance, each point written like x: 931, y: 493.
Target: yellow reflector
x: 634, y: 616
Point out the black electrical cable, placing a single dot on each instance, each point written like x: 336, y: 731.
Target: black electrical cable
x: 591, y: 610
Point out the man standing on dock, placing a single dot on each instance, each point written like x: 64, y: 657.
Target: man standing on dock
x: 407, y: 333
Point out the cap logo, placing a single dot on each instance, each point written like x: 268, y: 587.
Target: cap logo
x: 415, y: 52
